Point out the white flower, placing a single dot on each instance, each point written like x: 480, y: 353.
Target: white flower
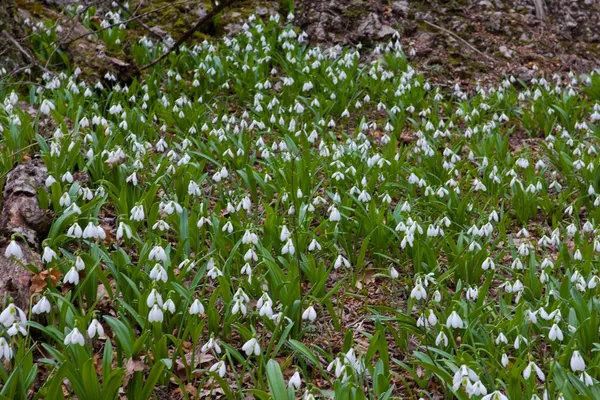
x: 418, y: 291
x: 169, y: 306
x: 11, y: 314
x: 309, y: 314
x: 220, y: 367
x: 334, y: 214
x: 538, y: 371
x: 48, y: 255
x: 454, y: 320
x: 196, y: 308
x: 339, y: 261
x: 72, y: 276
x: 94, y: 329
x: 555, y: 333
x: 295, y: 381
x: 157, y: 253
x: 577, y: 363
x: 5, y: 350
x: 74, y: 337
x: 13, y: 250
x: 251, y: 347
x: 497, y: 395
x: 42, y: 306
x: 17, y: 327
x: 137, y: 213
x: 288, y: 248
x: 155, y: 314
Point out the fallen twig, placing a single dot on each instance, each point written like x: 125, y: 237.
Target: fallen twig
x: 217, y: 9
x: 25, y: 52
x: 463, y: 41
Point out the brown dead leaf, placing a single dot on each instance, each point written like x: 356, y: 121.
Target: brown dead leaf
x: 39, y: 283
x: 132, y: 366
x: 365, y: 279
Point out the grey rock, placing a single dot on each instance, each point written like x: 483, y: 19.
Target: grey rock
x: 401, y: 7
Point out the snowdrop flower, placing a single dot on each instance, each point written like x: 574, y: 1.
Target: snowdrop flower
x: 538, y: 371
x: 251, y: 347
x: 497, y: 395
x: 295, y: 381
x: 94, y: 329
x: 5, y: 350
x: 74, y: 337
x: 577, y: 363
x: 48, y: 255
x: 158, y: 273
x: 339, y: 261
x: 555, y: 333
x: 220, y: 367
x: 504, y: 360
x: 314, y: 245
x: 72, y: 276
x: 11, y: 314
x: 17, y: 327
x: 169, y: 306
x: 42, y: 306
x: 309, y: 314
x: 13, y: 250
x: 155, y: 314
x: 47, y: 106
x: 288, y: 248
x: 196, y: 308
x: 211, y: 344
x: 137, y: 213
x: 157, y: 253
x: 441, y: 339
x: 454, y: 320
x: 418, y: 292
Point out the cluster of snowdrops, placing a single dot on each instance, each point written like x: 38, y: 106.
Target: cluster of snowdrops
x: 235, y: 196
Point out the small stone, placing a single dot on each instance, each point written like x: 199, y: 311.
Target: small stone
x: 401, y: 7
x: 505, y: 51
x: 486, y: 4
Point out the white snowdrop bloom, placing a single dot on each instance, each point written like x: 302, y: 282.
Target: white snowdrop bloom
x: 169, y: 306
x: 65, y: 200
x: 501, y: 338
x: 251, y: 347
x: 497, y: 395
x: 418, y: 292
x: 211, y: 344
x: 584, y: 377
x: 220, y: 368
x: 288, y: 248
x: 504, y: 360
x: 49, y: 181
x: 158, y: 273
x: 314, y: 245
x: 538, y: 371
x: 476, y: 389
x: 309, y: 314
x: 339, y: 261
x: 47, y: 106
x: 72, y: 276
x: 441, y: 339
x: 157, y: 253
x: 74, y: 337
x: 13, y: 250
x: 137, y: 213
x: 196, y: 308
x: 555, y: 333
x: 577, y: 363
x: 228, y: 227
x: 17, y: 328
x: 154, y: 298
x: 295, y: 381
x: 285, y: 234
x: 67, y: 177
x: 334, y: 214
x: 49, y: 255
x: 5, y: 350
x: 123, y: 230
x: 42, y: 306
x: 11, y: 314
x: 454, y: 320
x: 394, y: 273
x: 95, y: 328
x: 155, y: 314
